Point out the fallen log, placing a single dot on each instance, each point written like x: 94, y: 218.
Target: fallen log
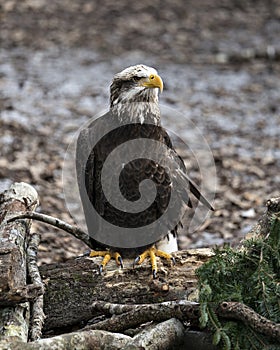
x: 73, y: 286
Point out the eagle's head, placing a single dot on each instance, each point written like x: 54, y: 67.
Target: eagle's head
x: 135, y: 84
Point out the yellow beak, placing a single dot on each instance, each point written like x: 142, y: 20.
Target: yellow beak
x: 154, y: 81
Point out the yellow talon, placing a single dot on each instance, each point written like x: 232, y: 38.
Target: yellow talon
x: 153, y: 260
x: 106, y: 259
x: 153, y: 253
x: 107, y: 256
x: 98, y: 253
x: 143, y: 256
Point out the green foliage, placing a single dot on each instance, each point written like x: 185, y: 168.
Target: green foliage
x: 250, y: 276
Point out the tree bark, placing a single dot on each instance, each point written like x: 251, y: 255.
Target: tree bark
x: 73, y: 286
x: 14, y: 291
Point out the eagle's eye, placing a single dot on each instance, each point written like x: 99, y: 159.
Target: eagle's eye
x: 136, y: 78
x: 152, y: 77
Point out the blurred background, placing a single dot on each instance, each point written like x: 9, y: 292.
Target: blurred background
x: 220, y: 62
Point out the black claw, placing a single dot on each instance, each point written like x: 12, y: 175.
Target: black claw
x: 120, y: 260
x: 100, y: 269
x: 86, y: 253
x: 173, y: 260
x: 154, y: 274
x: 136, y: 261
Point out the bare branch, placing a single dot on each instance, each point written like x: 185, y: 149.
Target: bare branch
x: 134, y: 315
x: 249, y: 317
x: 47, y: 219
x: 37, y: 313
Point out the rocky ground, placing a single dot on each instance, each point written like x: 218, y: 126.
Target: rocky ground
x: 220, y: 64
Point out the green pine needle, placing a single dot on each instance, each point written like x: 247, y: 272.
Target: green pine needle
x: 250, y: 276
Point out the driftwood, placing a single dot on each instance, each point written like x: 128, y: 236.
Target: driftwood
x: 74, y: 290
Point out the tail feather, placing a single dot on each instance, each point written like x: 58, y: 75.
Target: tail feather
x: 195, y: 191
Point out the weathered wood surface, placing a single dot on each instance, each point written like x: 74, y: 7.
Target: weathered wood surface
x: 73, y: 286
x: 14, y: 291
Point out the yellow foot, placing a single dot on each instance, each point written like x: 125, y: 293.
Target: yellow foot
x: 153, y: 253
x: 107, y: 256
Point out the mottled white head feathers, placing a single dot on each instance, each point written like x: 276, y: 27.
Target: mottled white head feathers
x: 134, y: 94
x: 138, y: 83
x: 140, y: 70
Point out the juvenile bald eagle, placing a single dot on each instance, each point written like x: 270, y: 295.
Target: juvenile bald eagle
x: 134, y: 114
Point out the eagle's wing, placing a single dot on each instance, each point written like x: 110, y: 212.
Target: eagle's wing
x: 82, y: 151
x: 185, y: 182
x: 85, y: 167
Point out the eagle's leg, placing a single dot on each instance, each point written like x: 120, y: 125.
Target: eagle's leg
x: 152, y: 252
x: 107, y: 256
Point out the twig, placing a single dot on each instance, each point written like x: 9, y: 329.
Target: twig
x: 249, y: 317
x: 129, y: 316
x: 37, y: 313
x: 47, y: 219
